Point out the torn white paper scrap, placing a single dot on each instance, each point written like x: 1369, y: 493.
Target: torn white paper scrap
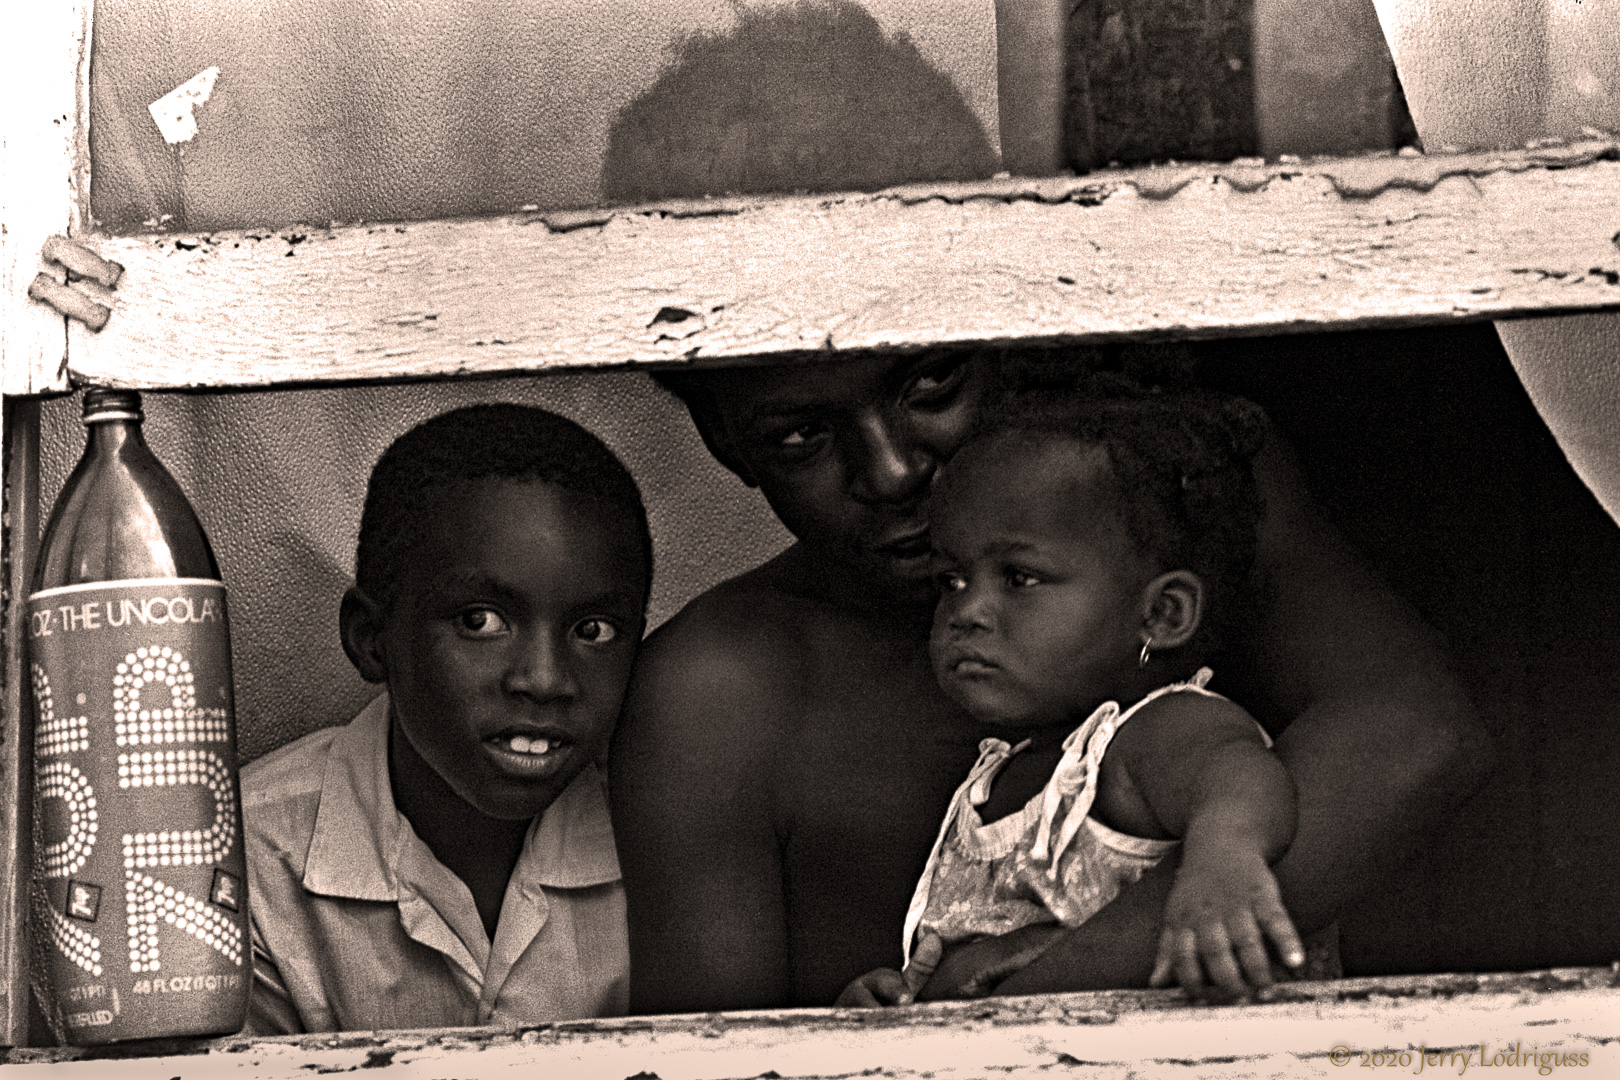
x: 173, y: 111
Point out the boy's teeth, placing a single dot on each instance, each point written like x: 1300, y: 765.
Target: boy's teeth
x: 522, y: 744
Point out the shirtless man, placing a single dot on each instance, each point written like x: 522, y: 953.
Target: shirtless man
x: 785, y: 756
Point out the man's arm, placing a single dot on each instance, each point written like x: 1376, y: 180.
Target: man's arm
x: 1383, y: 746
x: 693, y: 816
x: 1384, y: 743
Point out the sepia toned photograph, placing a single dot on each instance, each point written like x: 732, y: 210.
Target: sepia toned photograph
x: 810, y: 538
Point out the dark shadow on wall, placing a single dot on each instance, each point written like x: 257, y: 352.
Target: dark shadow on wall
x: 810, y: 96
x: 1423, y: 448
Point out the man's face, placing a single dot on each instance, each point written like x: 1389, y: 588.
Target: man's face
x: 510, y: 638
x: 845, y: 452
x: 1041, y: 595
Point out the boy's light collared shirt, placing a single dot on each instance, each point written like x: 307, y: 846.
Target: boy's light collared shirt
x: 358, y: 926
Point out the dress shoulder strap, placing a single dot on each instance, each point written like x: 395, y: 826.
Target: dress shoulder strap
x: 1078, y: 770
x: 992, y: 754
x: 1198, y: 684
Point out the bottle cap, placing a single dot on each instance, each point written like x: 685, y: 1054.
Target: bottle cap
x: 104, y: 404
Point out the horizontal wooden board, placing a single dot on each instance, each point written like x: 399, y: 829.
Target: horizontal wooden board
x: 1311, y: 1030
x: 1197, y: 251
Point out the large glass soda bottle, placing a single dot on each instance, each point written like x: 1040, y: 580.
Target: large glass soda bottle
x: 139, y: 894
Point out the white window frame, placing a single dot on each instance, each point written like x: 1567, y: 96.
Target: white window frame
x: 1193, y: 251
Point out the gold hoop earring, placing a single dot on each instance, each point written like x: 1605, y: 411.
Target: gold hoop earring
x: 1142, y: 661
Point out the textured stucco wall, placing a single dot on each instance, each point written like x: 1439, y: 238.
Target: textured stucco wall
x: 389, y: 109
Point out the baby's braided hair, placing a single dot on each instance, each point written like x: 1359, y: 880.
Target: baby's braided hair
x: 1182, y: 465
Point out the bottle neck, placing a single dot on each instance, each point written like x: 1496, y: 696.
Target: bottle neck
x: 121, y: 516
x: 109, y: 437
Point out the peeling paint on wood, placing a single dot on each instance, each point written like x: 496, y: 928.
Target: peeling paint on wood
x: 1078, y: 1036
x: 1176, y: 251
x: 44, y: 166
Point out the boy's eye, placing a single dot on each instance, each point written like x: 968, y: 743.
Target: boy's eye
x: 950, y: 582
x: 596, y: 631
x: 1021, y: 579
x: 481, y: 622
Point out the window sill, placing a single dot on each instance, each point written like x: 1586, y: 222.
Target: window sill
x: 1302, y: 1029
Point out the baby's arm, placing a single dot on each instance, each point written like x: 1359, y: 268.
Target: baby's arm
x: 1200, y: 768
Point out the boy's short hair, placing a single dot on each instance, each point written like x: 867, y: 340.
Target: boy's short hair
x: 483, y: 442
x: 1182, y: 468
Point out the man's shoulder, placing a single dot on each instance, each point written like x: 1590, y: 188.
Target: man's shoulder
x: 746, y: 624
x: 733, y: 664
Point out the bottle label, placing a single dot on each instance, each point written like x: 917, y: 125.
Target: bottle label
x: 140, y: 884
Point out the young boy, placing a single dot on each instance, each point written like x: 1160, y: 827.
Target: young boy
x: 446, y: 858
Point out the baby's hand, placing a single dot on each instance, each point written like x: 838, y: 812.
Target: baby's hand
x: 1219, y: 908
x: 886, y: 986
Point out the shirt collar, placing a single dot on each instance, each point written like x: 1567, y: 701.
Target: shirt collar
x: 570, y: 846
x: 359, y: 833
